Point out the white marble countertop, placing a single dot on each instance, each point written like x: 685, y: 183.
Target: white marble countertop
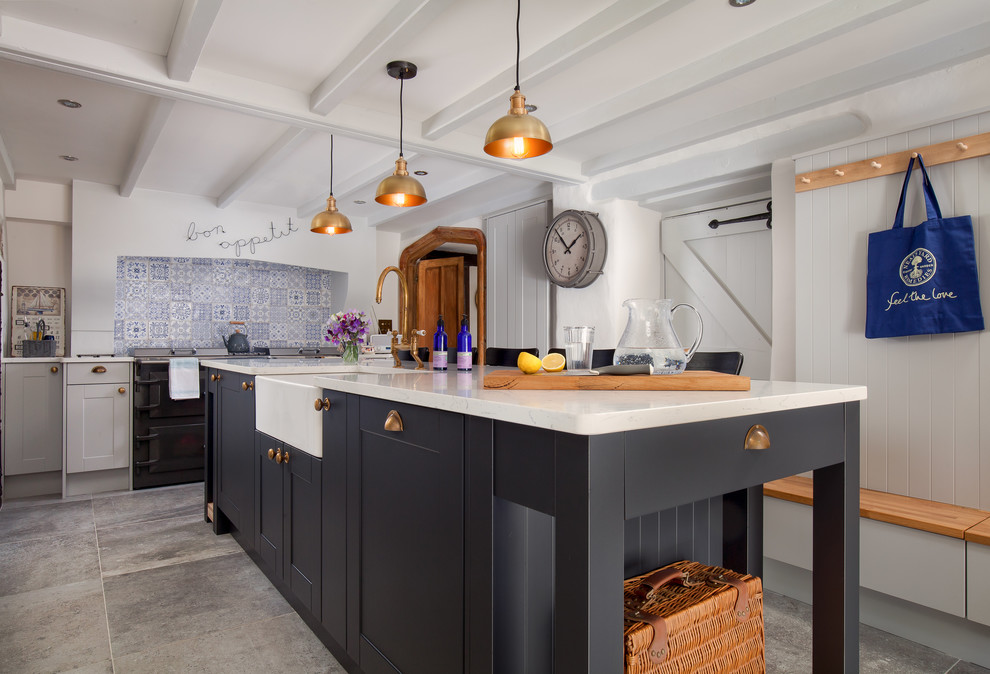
x: 579, y: 412
x: 71, y: 359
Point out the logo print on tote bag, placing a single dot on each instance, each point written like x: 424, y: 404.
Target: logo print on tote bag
x: 918, y: 267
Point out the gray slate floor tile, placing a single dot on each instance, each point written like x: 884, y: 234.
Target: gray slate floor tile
x: 282, y: 644
x: 146, y: 505
x: 152, y: 608
x: 148, y: 545
x: 44, y: 562
x: 54, y: 629
x: 968, y: 668
x: 21, y: 523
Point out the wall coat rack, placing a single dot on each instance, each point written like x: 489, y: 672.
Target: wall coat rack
x: 939, y: 153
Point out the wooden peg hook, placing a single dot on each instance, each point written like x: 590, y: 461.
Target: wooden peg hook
x: 876, y: 164
x: 839, y: 173
x: 806, y: 180
x: 962, y: 146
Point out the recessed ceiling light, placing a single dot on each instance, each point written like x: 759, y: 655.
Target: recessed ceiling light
x: 420, y: 173
x: 69, y: 104
x: 360, y: 201
x: 741, y: 3
x: 68, y: 157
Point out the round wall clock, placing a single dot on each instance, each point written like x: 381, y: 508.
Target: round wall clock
x: 574, y: 249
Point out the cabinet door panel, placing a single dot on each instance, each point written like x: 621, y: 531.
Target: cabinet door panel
x: 412, y: 582
x: 269, y: 526
x: 236, y: 449
x: 97, y: 427
x: 302, y: 538
x: 32, y: 418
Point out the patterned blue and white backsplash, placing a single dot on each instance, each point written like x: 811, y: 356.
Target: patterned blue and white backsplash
x: 188, y: 302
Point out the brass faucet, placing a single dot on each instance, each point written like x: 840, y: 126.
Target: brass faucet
x: 413, y: 347
x: 403, y: 306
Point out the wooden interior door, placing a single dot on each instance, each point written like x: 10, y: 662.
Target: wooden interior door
x: 439, y: 291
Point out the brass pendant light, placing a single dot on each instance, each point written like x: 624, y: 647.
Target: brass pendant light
x: 331, y: 221
x: 400, y: 189
x: 518, y: 135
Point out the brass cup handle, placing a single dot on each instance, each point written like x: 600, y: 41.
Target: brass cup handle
x: 54, y: 370
x: 122, y: 390
x: 393, y: 422
x: 271, y: 453
x: 323, y: 405
x: 758, y: 437
x: 247, y: 385
x: 99, y: 369
x: 278, y: 455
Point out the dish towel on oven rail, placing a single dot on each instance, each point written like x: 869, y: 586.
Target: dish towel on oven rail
x: 183, y: 378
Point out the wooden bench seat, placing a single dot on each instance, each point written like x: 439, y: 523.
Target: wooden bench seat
x: 970, y: 524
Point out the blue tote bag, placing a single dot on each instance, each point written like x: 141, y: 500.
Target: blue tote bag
x: 922, y: 280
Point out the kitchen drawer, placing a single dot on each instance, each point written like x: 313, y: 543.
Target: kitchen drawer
x: 97, y: 373
x: 421, y: 426
x: 658, y: 458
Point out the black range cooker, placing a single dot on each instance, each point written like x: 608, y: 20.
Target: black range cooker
x: 170, y: 435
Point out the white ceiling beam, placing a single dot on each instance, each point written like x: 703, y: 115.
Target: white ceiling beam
x: 605, y: 29
x: 790, y: 37
x: 401, y: 25
x: 150, y: 134
x: 7, y: 176
x: 941, y: 53
x: 357, y: 183
x: 193, y: 26
x: 74, y: 54
x: 274, y: 155
x: 464, y: 181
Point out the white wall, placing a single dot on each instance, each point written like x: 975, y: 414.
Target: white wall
x: 105, y: 225
x: 926, y: 425
x: 633, y: 267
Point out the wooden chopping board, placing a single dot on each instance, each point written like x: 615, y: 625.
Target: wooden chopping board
x: 691, y: 380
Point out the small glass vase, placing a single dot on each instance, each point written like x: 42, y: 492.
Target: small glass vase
x: 350, y: 353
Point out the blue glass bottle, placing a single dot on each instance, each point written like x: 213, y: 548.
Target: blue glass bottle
x: 440, y: 346
x: 464, y: 346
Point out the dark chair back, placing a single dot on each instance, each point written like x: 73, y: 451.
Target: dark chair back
x: 599, y: 357
x: 497, y: 355
x: 727, y: 362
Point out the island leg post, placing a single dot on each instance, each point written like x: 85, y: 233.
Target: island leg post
x: 588, y: 554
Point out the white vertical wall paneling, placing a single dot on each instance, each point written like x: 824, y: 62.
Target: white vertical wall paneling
x: 875, y: 447
x: 923, y: 430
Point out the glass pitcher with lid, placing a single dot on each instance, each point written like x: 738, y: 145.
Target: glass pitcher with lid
x: 649, y: 337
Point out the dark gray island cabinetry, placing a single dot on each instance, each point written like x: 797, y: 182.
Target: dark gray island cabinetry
x: 230, y: 453
x: 489, y: 532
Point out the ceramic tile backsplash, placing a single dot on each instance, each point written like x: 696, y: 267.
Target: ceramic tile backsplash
x: 187, y: 302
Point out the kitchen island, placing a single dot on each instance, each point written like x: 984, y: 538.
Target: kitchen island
x: 464, y: 529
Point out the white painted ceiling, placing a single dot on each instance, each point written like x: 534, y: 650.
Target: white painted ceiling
x: 234, y: 100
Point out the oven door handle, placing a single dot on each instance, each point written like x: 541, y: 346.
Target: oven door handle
x: 145, y: 463
x: 147, y: 407
x: 146, y: 437
x: 145, y: 382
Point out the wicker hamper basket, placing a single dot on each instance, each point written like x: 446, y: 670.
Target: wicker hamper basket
x: 690, y: 617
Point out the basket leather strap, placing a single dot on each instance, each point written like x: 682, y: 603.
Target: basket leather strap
x: 657, y: 651
x: 741, y: 609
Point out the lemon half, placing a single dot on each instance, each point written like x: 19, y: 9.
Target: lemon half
x: 553, y: 362
x: 528, y: 363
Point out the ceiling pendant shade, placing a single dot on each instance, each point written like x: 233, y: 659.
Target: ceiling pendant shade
x: 518, y: 135
x: 331, y: 221
x: 400, y: 189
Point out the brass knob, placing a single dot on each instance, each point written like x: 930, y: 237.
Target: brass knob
x: 278, y: 456
x: 321, y: 404
x: 393, y: 422
x: 758, y: 437
x: 99, y: 369
x: 122, y: 390
x: 285, y: 456
x: 271, y: 453
x: 54, y: 369
x: 247, y: 385
x: 213, y: 377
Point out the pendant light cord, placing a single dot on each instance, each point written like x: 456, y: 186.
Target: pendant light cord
x: 402, y: 82
x: 518, y: 13
x: 331, y: 164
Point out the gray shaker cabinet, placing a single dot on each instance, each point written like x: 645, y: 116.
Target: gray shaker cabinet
x: 32, y: 419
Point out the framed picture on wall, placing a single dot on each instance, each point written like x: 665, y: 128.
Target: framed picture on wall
x: 37, y: 313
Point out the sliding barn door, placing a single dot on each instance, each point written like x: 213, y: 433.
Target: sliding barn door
x: 725, y: 273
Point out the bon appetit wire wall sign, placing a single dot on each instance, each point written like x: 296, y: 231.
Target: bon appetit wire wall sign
x: 219, y: 235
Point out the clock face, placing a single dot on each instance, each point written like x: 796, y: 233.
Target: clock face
x: 574, y: 249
